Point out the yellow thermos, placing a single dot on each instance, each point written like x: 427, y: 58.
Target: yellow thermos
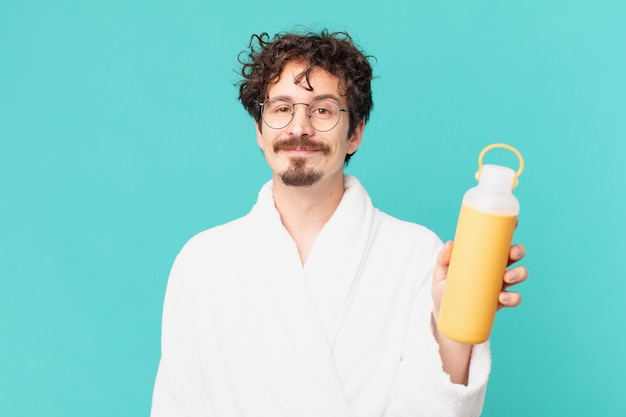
x: 480, y: 252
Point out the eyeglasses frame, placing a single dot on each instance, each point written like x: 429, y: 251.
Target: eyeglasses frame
x: 293, y: 112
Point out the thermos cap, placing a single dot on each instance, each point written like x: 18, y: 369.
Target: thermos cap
x: 502, y: 174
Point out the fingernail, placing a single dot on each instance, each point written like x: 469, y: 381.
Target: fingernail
x: 512, y: 276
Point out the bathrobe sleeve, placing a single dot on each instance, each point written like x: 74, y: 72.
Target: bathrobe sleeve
x: 421, y: 387
x: 180, y: 389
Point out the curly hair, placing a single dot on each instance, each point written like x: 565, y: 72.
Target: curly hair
x: 334, y: 52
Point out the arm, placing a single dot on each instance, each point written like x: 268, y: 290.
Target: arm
x: 421, y: 387
x: 179, y: 388
x: 456, y: 356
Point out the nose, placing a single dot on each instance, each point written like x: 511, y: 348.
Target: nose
x: 300, y: 124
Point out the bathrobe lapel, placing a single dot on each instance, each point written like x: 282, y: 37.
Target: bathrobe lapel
x: 334, y: 266
x: 307, y: 305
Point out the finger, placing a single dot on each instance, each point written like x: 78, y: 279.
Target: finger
x: 444, y: 255
x: 515, y: 275
x: 516, y: 253
x: 443, y: 260
x: 508, y: 299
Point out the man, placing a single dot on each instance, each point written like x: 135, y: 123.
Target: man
x: 315, y: 303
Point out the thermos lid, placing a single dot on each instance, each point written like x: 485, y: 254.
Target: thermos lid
x: 498, y: 175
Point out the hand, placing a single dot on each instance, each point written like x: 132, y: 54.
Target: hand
x: 512, y: 276
x: 455, y: 356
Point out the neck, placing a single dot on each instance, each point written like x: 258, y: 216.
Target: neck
x: 305, y: 210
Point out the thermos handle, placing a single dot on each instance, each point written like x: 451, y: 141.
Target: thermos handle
x: 510, y: 148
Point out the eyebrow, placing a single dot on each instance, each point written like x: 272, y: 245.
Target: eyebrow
x: 318, y: 97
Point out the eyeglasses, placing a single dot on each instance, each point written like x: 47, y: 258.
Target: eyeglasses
x: 323, y: 114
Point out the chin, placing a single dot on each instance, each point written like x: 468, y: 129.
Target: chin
x: 297, y: 175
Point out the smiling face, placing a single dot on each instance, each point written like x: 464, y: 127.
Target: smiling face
x: 298, y: 154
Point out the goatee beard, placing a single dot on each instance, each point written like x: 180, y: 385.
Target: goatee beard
x: 298, y: 175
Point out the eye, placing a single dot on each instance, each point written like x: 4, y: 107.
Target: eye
x: 283, y: 109
x: 324, y: 109
x: 278, y: 107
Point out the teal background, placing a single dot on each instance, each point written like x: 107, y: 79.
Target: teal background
x: 121, y: 137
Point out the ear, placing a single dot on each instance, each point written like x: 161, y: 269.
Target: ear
x: 259, y: 136
x: 357, y: 136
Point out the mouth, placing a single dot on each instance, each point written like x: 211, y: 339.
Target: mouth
x: 301, y: 149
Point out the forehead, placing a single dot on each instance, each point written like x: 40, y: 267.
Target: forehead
x: 293, y: 84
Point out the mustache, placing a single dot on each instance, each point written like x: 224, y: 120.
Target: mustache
x: 302, y: 143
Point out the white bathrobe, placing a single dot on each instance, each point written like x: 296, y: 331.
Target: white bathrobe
x: 249, y: 331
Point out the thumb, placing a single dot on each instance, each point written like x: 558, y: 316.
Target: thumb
x: 443, y: 261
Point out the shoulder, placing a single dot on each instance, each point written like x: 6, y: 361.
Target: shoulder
x: 405, y: 243
x: 216, y: 242
x: 406, y: 232
x: 402, y: 254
